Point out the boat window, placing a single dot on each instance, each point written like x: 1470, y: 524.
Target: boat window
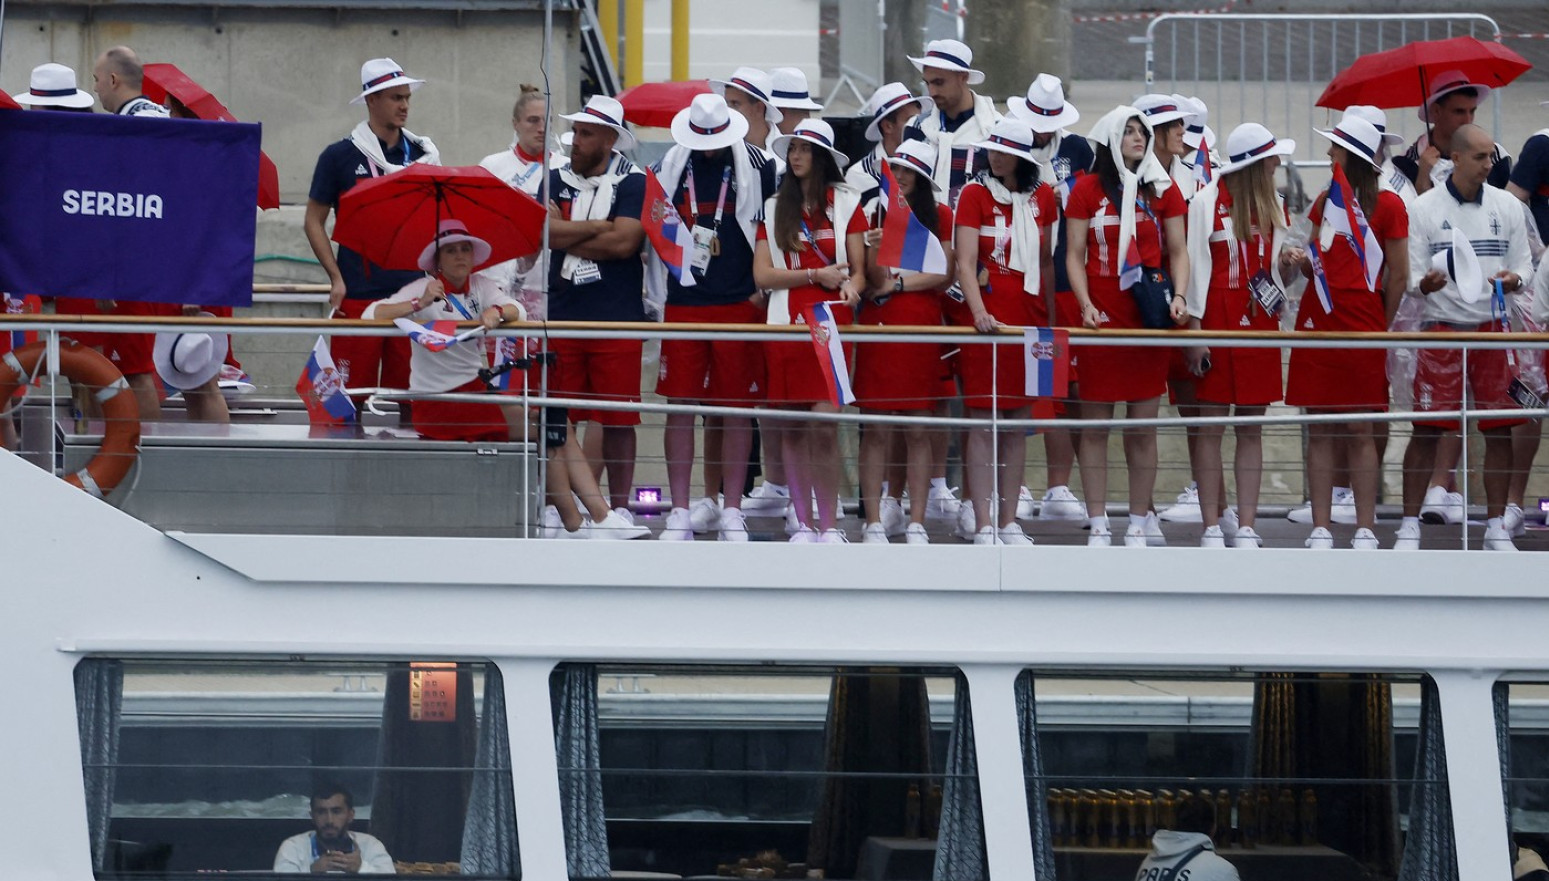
x: 759, y: 773
x: 1309, y: 775
x: 260, y: 767
x: 1522, y: 715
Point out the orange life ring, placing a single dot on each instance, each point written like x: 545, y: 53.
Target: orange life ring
x: 87, y: 366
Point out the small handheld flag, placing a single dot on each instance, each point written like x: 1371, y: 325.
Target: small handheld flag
x: 322, y: 389
x: 30, y: 304
x: 672, y: 239
x: 830, y: 352
x: 1319, y: 278
x: 1046, y: 359
x: 437, y: 335
x: 906, y: 244
x: 1203, y: 173
x: 1130, y: 271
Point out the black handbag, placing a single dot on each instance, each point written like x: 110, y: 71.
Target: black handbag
x: 1153, y: 297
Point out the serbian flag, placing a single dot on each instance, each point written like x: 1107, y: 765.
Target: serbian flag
x: 1203, y: 173
x: 1319, y: 279
x: 436, y: 336
x: 30, y: 304
x: 506, y: 349
x: 671, y: 238
x: 1046, y: 358
x: 906, y: 244
x: 830, y: 352
x: 1130, y: 270
x: 322, y: 389
x: 1343, y: 212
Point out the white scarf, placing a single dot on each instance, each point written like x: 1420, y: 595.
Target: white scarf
x: 1109, y: 132
x: 1202, y: 224
x: 366, y: 141
x: 1025, y: 235
x: 750, y: 194
x: 967, y: 134
x: 847, y: 200
x: 593, y: 201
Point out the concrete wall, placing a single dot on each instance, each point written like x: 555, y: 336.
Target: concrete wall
x: 295, y: 70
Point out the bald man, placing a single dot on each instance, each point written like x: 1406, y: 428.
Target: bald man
x: 119, y: 77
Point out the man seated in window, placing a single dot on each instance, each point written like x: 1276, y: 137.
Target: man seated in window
x: 331, y: 846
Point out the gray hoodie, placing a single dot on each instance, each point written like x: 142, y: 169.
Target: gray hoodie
x: 1169, y: 847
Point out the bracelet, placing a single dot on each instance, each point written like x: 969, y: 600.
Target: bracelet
x: 809, y: 276
x: 415, y: 303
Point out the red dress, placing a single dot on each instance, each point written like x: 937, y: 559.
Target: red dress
x: 1244, y: 376
x: 794, y: 373
x: 903, y: 376
x: 1120, y: 373
x: 1351, y: 379
x: 998, y: 368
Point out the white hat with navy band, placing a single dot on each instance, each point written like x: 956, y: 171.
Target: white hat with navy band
x: 1044, y: 109
x: 189, y: 360
x: 788, y: 90
x: 1379, y: 120
x: 753, y: 82
x: 918, y: 157
x: 606, y: 111
x: 1249, y: 143
x: 1356, y: 135
x: 1161, y: 109
x: 949, y: 55
x: 383, y: 73
x: 1195, y: 125
x: 708, y: 124
x: 889, y: 99
x: 1011, y: 136
x: 815, y: 132
x: 53, y: 85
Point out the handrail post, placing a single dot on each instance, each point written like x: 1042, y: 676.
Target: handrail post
x: 1463, y: 414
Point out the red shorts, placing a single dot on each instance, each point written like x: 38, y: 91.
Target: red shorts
x: 1247, y: 377
x: 366, y: 361
x: 993, y: 374
x: 129, y: 352
x: 608, y: 370
x: 1067, y: 313
x: 1353, y: 380
x: 1439, y: 381
x: 729, y: 373
x: 1121, y: 373
x: 448, y: 420
x: 900, y: 376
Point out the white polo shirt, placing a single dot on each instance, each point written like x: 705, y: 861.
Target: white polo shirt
x: 1493, y: 224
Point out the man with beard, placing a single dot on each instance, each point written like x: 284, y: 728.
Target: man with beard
x: 331, y: 846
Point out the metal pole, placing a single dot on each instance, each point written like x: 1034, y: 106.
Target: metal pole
x: 634, y: 42
x: 543, y: 255
x: 680, y: 34
x: 608, y: 24
x: 1463, y: 456
x: 2, y: 25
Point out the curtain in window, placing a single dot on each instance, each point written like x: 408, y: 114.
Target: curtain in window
x: 1500, y: 695
x: 489, y: 833
x: 99, y: 699
x: 1430, y: 852
x: 960, y: 844
x: 423, y: 778
x: 579, y: 753
x: 1037, y: 785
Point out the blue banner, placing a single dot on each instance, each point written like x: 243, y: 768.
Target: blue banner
x: 128, y: 208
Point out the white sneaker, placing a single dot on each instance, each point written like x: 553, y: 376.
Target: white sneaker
x: 1012, y: 534
x: 1229, y: 521
x: 1246, y: 539
x: 1320, y: 540
x: 1100, y: 536
x: 1496, y: 537
x: 1437, y: 507
x: 1514, y: 522
x: 986, y: 536
x: 805, y: 535
x: 1301, y: 514
x: 705, y: 515
x: 618, y: 525
x: 1212, y: 538
x: 943, y: 503
x: 1365, y: 540
x: 915, y: 534
x: 1187, y: 508
x: 1135, y: 535
x: 791, y: 523
x: 550, y: 525
x: 679, y: 526
x: 874, y: 534
x: 733, y: 525
x: 1343, y: 510
x: 1059, y: 503
x: 1026, y: 506
x: 582, y: 532
x: 767, y: 499
x: 1152, y: 526
x: 965, y: 523
x: 1407, y: 538
x: 893, y: 518
x: 833, y: 536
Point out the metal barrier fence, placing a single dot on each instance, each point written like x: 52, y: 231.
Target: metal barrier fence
x: 863, y: 41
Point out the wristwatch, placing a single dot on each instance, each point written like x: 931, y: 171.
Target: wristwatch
x: 898, y: 284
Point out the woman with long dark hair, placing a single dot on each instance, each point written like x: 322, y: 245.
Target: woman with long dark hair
x: 1006, y: 272
x: 812, y: 244
x: 1349, y: 380
x: 1129, y: 207
x: 902, y: 378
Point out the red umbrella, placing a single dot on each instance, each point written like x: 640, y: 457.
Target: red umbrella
x: 655, y: 104
x: 6, y: 102
x: 162, y: 80
x: 390, y: 219
x: 1400, y: 77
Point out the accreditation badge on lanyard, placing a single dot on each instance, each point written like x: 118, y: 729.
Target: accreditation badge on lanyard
x: 707, y: 242
x: 1266, y: 294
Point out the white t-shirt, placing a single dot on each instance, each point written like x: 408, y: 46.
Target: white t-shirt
x: 1493, y: 225
x: 298, y: 852
x: 526, y: 274
x: 457, y: 365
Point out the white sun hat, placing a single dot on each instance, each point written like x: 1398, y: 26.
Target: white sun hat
x: 189, y: 360
x: 1357, y: 135
x: 450, y: 233
x: 1011, y: 136
x: 1196, y: 125
x: 920, y: 158
x: 1249, y: 143
x: 1044, y: 109
x: 1460, y: 264
x: 753, y: 82
x: 53, y: 85
x: 383, y: 73
x: 1160, y: 109
x: 708, y: 124
x: 788, y: 90
x: 815, y: 132
x: 1444, y: 84
x: 949, y: 55
x: 606, y: 111
x: 1379, y: 120
x: 886, y: 101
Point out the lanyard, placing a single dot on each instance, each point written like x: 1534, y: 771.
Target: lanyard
x: 452, y: 297
x: 522, y: 180
x: 720, y: 202
x: 812, y: 242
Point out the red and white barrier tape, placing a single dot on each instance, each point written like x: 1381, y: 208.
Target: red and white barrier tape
x: 1147, y: 16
